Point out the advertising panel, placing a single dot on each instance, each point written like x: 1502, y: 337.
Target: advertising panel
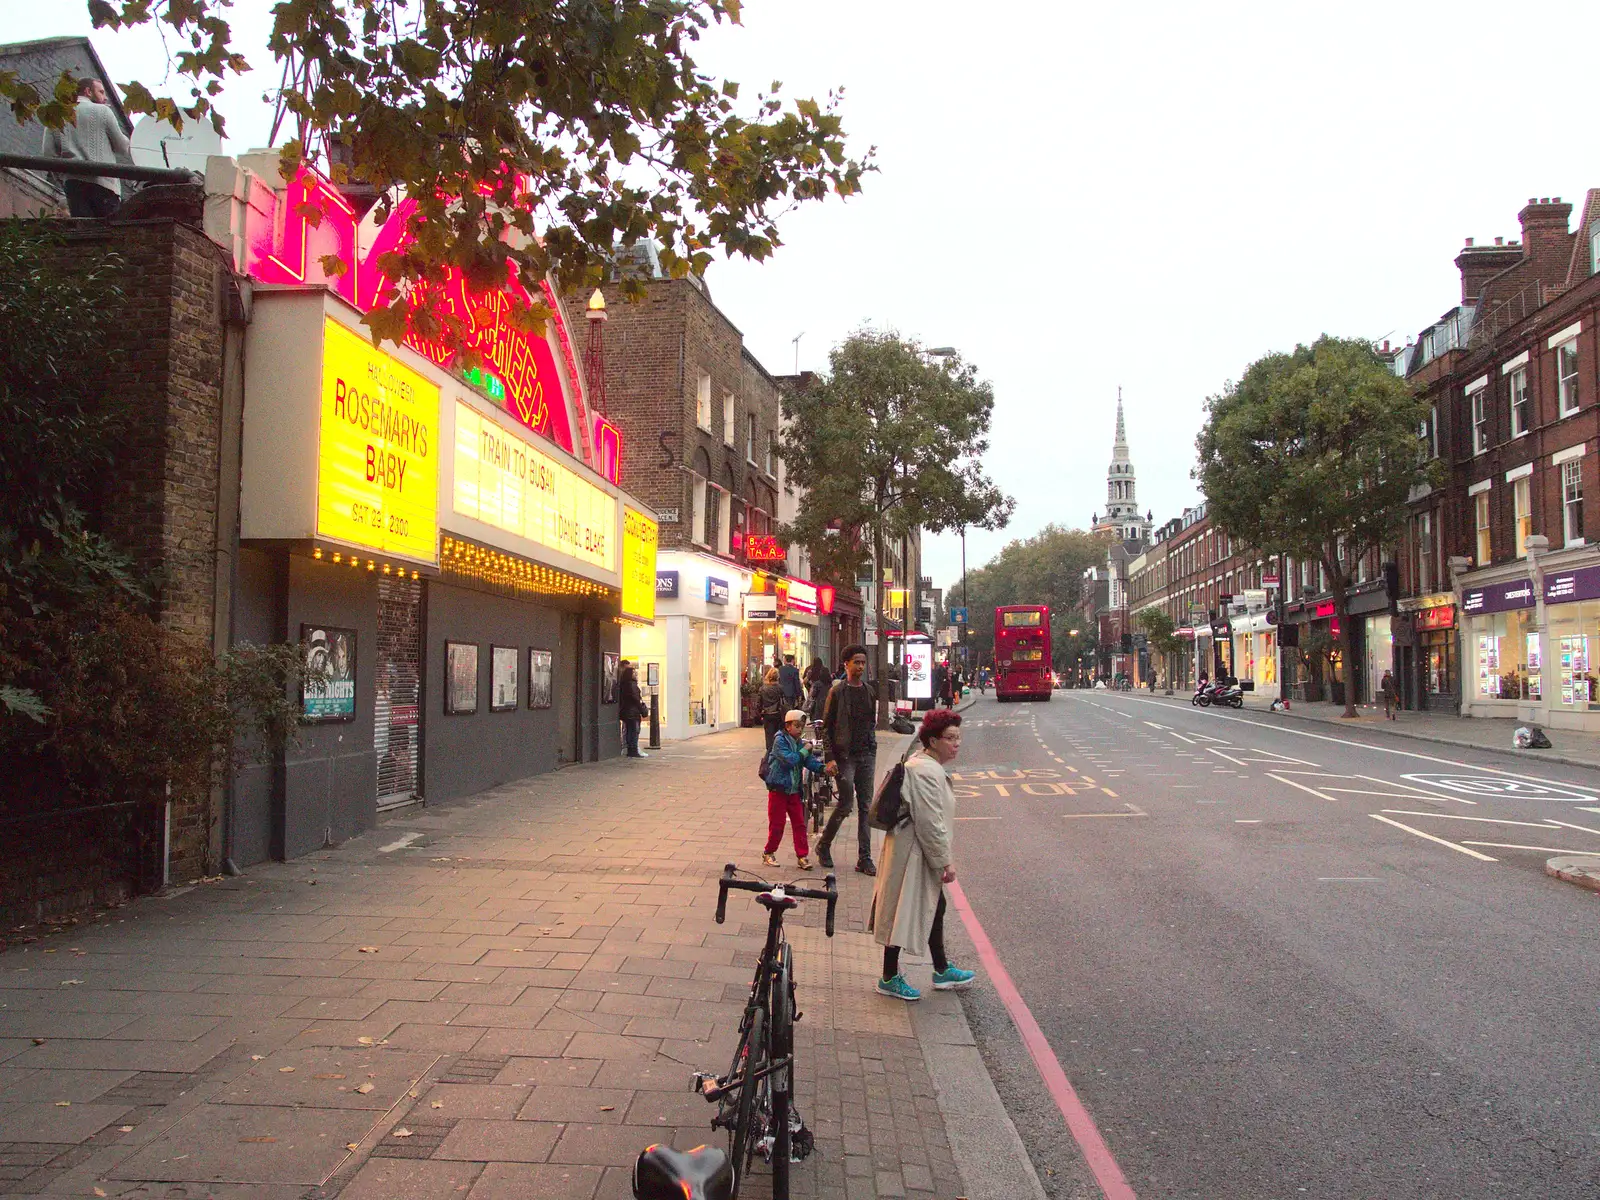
x: 1498, y: 597
x: 639, y: 535
x: 507, y: 482
x: 802, y: 596
x: 919, y: 671
x: 667, y: 585
x: 328, y: 692
x: 760, y: 607
x: 377, y: 463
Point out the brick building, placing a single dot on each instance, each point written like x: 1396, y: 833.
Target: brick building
x: 700, y: 418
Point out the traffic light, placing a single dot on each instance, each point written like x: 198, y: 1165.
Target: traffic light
x: 1127, y: 643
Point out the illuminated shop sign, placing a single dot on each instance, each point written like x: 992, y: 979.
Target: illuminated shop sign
x: 717, y: 590
x: 666, y: 585
x: 761, y: 547
x: 1498, y: 597
x: 519, y: 368
x: 509, y: 483
x: 802, y: 596
x: 639, y: 577
x: 377, y: 460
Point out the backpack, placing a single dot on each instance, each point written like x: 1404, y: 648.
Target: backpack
x: 889, y: 810
x: 766, y: 761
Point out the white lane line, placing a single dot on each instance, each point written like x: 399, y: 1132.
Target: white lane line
x: 1569, y: 825
x: 400, y: 843
x: 1429, y: 837
x: 1302, y: 787
x: 1136, y: 812
x: 977, y: 818
x: 1406, y: 812
x: 1244, y: 821
x: 1322, y: 737
x: 1541, y: 849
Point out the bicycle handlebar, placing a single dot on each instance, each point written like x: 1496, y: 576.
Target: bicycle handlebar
x: 728, y: 880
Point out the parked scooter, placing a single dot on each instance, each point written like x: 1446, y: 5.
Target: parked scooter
x: 1227, y: 694
x: 1202, y: 694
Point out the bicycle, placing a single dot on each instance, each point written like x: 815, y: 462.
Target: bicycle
x: 820, y: 790
x: 755, y: 1099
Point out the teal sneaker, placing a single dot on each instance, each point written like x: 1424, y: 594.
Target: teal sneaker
x: 951, y: 978
x: 898, y: 988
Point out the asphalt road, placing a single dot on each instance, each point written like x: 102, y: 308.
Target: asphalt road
x: 1260, y: 989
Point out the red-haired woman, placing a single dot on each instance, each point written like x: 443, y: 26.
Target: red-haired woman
x: 908, y: 906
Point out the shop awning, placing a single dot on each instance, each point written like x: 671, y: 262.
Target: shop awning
x: 1252, y: 623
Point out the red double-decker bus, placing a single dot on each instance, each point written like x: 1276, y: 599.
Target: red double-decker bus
x: 1022, y: 652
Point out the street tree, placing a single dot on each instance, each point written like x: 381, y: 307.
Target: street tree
x: 1313, y: 454
x: 534, y: 136
x: 1162, y: 633
x: 1046, y: 568
x: 887, y: 443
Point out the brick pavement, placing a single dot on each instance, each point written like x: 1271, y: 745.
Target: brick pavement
x: 510, y: 1004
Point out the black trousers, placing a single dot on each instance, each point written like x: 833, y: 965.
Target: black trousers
x: 771, y: 725
x: 891, y: 954
x: 85, y: 199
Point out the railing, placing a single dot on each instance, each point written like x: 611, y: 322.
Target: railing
x: 1494, y: 319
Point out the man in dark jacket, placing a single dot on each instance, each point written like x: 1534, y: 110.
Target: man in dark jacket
x: 850, y: 741
x: 630, y: 709
x: 789, y: 680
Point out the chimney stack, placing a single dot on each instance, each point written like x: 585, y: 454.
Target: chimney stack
x: 1479, y: 264
x: 1545, y: 237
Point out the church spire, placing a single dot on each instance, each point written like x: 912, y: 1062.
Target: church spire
x: 1119, y: 449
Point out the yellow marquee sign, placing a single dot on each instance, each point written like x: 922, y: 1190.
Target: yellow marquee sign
x: 639, y: 535
x: 509, y: 483
x: 377, y: 464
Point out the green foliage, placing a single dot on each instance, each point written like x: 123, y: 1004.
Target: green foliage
x: 543, y: 133
x: 887, y: 442
x: 1160, y: 629
x: 1046, y: 568
x: 1313, y: 454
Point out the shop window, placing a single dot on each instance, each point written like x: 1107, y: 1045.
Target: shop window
x: 1480, y: 422
x: 1521, y: 408
x: 1501, y: 643
x: 1480, y: 509
x: 1574, y: 637
x: 702, y: 402
x: 1567, y: 376
x: 1522, y: 502
x: 1572, y: 502
x: 727, y: 418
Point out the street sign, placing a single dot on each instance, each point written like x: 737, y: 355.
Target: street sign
x: 958, y: 616
x: 1270, y: 581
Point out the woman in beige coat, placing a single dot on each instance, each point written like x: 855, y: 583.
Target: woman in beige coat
x: 908, y: 905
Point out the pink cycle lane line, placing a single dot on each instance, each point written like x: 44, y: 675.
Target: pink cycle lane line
x: 1095, y: 1151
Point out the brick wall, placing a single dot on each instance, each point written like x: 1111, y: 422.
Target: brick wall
x: 163, y: 373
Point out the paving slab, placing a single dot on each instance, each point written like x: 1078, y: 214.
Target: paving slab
x: 229, y: 1143
x: 329, y: 1078
x: 56, y: 1121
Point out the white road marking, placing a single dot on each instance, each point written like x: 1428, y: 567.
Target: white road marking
x: 1429, y: 837
x: 1302, y: 787
x: 1244, y: 821
x: 1406, y: 812
x: 1347, y: 879
x: 1136, y: 812
x: 1569, y: 825
x: 1322, y: 737
x: 400, y: 843
x: 977, y: 818
x: 1541, y: 849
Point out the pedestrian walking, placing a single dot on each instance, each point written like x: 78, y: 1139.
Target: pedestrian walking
x: 630, y: 709
x: 1390, y: 701
x: 787, y: 762
x: 95, y: 136
x: 908, y: 905
x: 850, y: 742
x: 789, y: 681
x: 816, y: 680
x: 941, y: 684
x: 772, y: 706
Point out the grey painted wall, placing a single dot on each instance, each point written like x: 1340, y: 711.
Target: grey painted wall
x: 468, y: 752
x: 325, y: 787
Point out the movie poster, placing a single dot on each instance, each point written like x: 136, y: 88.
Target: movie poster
x: 460, y: 677
x: 608, y: 677
x: 541, y: 678
x: 328, y: 692
x: 503, y: 662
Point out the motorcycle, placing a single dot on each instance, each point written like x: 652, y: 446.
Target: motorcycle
x: 1227, y: 695
x: 1202, y: 695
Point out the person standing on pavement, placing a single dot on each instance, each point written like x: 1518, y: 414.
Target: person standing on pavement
x: 787, y: 762
x: 630, y: 709
x: 908, y: 904
x: 1390, y: 700
x: 772, y: 705
x: 816, y: 680
x: 95, y: 136
x: 789, y: 681
x: 850, y: 743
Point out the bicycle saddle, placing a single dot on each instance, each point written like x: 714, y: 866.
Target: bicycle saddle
x: 662, y: 1173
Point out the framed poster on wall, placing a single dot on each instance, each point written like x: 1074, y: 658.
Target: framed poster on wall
x: 328, y: 691
x: 503, y: 690
x: 608, y: 677
x: 460, y: 677
x: 541, y: 678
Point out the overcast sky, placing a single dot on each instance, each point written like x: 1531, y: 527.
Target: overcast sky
x: 1145, y: 196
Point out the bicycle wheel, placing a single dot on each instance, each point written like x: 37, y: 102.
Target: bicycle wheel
x: 742, y: 1137
x: 782, y: 1082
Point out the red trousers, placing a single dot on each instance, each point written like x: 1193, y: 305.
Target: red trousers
x: 779, y: 807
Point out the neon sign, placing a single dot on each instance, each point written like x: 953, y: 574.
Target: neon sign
x: 763, y: 547
x: 519, y: 370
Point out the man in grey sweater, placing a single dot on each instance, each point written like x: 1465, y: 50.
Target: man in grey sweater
x: 96, y: 137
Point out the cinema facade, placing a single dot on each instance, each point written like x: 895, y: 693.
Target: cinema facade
x: 450, y: 544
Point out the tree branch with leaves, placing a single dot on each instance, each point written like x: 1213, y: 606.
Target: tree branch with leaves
x: 887, y: 443
x: 537, y: 137
x: 1314, y: 454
